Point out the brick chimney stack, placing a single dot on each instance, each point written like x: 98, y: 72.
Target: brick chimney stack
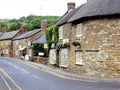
x: 43, y: 24
x: 23, y: 28
x: 5, y: 28
x: 70, y: 5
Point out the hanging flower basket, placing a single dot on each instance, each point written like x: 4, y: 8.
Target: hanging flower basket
x: 76, y: 43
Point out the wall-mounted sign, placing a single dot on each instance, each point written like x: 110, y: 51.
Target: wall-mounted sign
x: 41, y: 53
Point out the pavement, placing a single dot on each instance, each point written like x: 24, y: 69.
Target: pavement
x: 62, y: 74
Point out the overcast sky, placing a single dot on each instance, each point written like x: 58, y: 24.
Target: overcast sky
x: 17, y: 8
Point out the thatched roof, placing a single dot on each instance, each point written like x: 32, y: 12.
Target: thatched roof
x: 95, y: 8
x: 64, y: 19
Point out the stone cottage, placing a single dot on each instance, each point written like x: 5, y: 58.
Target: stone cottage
x: 22, y: 45
x: 64, y: 39
x: 6, y: 40
x: 93, y: 38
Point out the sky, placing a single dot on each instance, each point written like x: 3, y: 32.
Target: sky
x: 10, y: 9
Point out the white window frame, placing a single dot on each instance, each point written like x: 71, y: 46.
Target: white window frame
x: 63, y: 58
x: 79, y: 58
x: 52, y: 56
x: 24, y: 41
x: 17, y: 52
x: 16, y: 42
x: 79, y: 32
x: 61, y: 32
x: 7, y: 42
x: 6, y: 51
x: 2, y: 42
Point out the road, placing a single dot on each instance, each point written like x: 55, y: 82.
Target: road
x: 3, y: 84
x: 25, y: 77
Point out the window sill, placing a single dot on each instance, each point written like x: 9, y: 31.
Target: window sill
x: 79, y: 64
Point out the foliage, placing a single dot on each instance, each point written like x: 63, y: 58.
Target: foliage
x: 52, y: 35
x: 37, y: 47
x: 31, y: 21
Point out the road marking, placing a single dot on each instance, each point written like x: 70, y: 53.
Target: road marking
x: 32, y: 66
x: 5, y: 82
x: 25, y: 71
x: 16, y: 66
x: 35, y: 76
x: 7, y: 76
x: 9, y: 63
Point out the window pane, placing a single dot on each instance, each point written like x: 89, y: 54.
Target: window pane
x: 79, y: 59
x: 63, y: 57
x: 60, y: 33
x: 52, y: 56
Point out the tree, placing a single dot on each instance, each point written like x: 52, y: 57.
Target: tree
x: 52, y: 35
x: 31, y: 21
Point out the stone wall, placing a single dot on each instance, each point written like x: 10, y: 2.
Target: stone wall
x: 5, y: 45
x: 24, y: 43
x: 100, y: 47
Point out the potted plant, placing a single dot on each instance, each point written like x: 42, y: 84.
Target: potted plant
x: 67, y: 45
x: 76, y: 44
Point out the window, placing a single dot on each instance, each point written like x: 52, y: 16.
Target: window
x: 79, y: 32
x: 65, y: 41
x: 2, y: 42
x: 7, y: 42
x: 61, y: 33
x: 16, y: 42
x: 63, y: 58
x: 79, y: 59
x: 6, y: 51
x: 16, y: 52
x: 24, y: 42
x: 52, y: 56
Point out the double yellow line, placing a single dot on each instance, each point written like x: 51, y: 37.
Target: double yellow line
x: 7, y: 76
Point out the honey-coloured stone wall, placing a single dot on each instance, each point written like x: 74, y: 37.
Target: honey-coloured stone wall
x: 100, y: 47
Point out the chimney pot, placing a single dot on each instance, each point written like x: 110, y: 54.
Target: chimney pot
x: 70, y: 5
x: 5, y: 28
x: 23, y: 28
x: 43, y: 24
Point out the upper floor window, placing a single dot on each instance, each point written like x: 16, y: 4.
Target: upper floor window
x: 2, y: 42
x: 7, y: 43
x: 79, y: 31
x: 61, y: 33
x: 16, y: 42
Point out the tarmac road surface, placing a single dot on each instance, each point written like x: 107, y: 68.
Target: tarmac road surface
x: 25, y: 77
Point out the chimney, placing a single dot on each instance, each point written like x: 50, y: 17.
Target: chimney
x: 70, y: 5
x: 43, y: 24
x: 23, y: 28
x: 5, y: 28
